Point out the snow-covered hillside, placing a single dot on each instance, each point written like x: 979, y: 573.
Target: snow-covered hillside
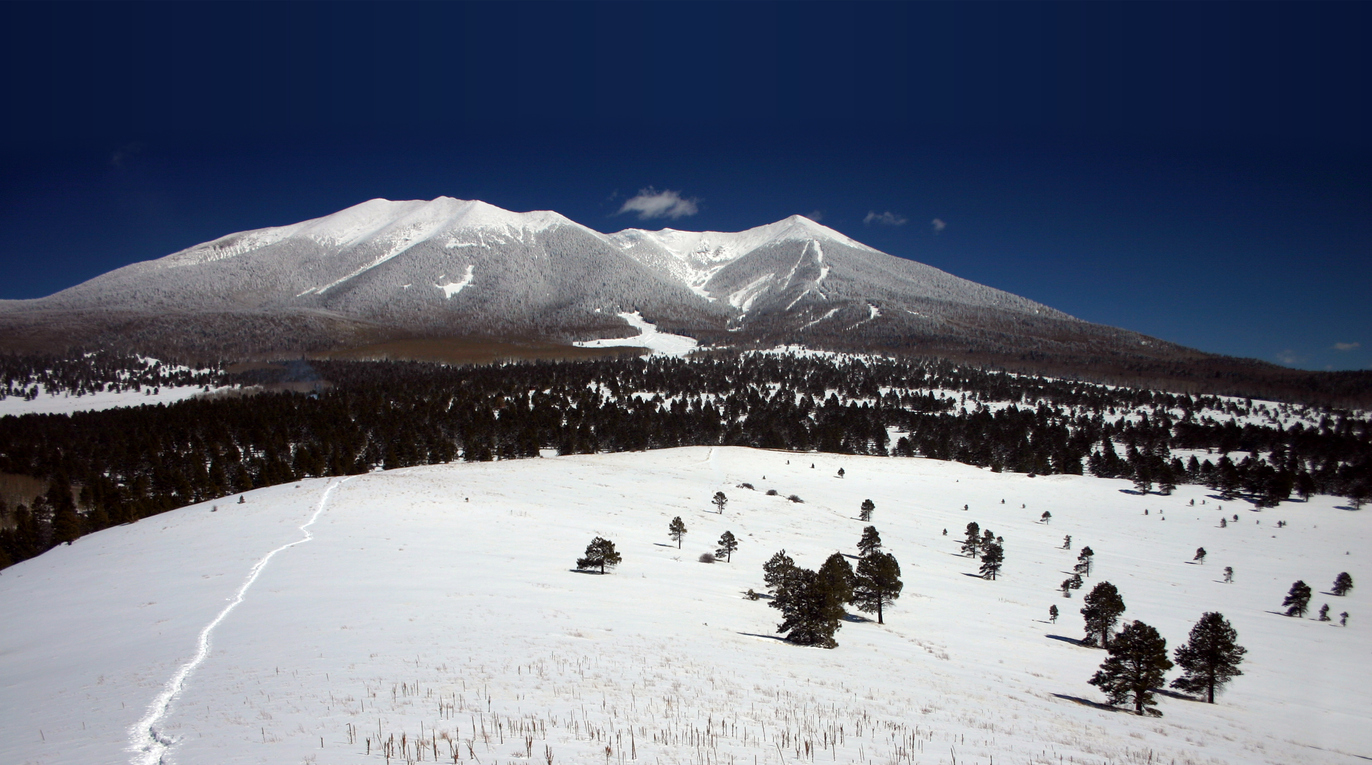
x: 438, y: 606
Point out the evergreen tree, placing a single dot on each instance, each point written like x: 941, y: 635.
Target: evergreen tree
x: 837, y: 575
x: 677, y: 530
x: 1072, y: 582
x: 1053, y: 614
x: 1046, y: 517
x: 1067, y: 542
x: 1210, y: 657
x: 1343, y: 619
x: 727, y: 545
x: 865, y: 514
x: 777, y: 570
x: 720, y: 501
x: 1136, y: 665
x: 992, y: 557
x: 877, y: 583
x: 600, y: 553
x: 810, y: 611
x: 1324, y: 612
x: 1103, y: 608
x: 972, y: 544
x: 1228, y: 574
x: 1297, y: 599
x: 1342, y: 584
x: 1200, y: 555
x: 66, y: 524
x: 1084, y: 561
x: 870, y: 542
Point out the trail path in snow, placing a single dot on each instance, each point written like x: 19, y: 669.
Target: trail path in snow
x: 149, y: 745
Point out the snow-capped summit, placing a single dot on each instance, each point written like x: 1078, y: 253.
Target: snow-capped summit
x: 457, y: 268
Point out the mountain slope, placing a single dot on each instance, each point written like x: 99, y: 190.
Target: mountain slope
x: 450, y: 268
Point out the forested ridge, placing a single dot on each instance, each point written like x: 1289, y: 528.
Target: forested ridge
x: 119, y: 465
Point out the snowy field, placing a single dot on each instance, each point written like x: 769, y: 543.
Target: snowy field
x: 648, y: 337
x: 438, y: 607
x: 65, y: 403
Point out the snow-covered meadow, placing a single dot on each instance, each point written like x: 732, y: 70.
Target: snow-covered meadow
x: 438, y: 607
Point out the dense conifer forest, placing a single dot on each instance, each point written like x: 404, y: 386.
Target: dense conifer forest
x: 119, y: 465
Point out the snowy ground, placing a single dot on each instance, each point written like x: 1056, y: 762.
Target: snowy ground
x: 439, y: 604
x: 63, y: 403
x: 648, y: 337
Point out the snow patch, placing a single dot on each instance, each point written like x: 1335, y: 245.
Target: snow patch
x: 660, y: 343
x: 452, y: 288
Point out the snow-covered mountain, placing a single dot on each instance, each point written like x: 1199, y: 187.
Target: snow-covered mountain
x: 453, y: 268
x: 323, y: 620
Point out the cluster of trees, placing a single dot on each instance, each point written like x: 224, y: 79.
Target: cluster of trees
x: 986, y: 544
x: 1137, y: 662
x: 126, y: 464
x: 28, y: 376
x: 1297, y: 601
x: 812, y: 602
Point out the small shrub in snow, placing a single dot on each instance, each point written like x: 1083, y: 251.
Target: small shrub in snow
x: 771, y: 492
x: 706, y: 557
x: 796, y: 499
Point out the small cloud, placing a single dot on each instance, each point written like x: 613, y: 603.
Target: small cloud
x: 125, y: 153
x: 816, y: 215
x: 887, y: 218
x: 651, y: 203
x: 1289, y: 357
x: 938, y: 224
x: 1347, y: 346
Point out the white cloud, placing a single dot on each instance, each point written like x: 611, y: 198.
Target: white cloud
x: 1347, y: 346
x: 1289, y: 357
x: 938, y: 225
x: 816, y: 216
x: 887, y: 218
x: 651, y: 203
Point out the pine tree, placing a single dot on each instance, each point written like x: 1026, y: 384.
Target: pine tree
x: 720, y: 501
x: 992, y: 557
x: 1342, y: 584
x: 66, y: 524
x: 1072, y: 582
x: 777, y: 570
x: 1297, y: 599
x: 727, y: 545
x: 1228, y: 574
x: 600, y: 553
x: 972, y: 544
x: 1067, y: 542
x: 1084, y: 561
x: 870, y: 542
x: 1136, y: 665
x: 1103, y: 608
x: 1200, y: 555
x: 1053, y: 614
x: 877, y: 583
x: 810, y: 611
x: 676, y: 530
x: 1324, y: 612
x: 1046, y: 517
x: 1210, y: 657
x: 1343, y: 619
x: 837, y: 575
x: 865, y: 513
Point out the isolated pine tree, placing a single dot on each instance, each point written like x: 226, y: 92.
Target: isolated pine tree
x: 1210, y: 657
x: 1343, y: 619
x: 810, y: 611
x: 1200, y: 555
x: 972, y: 544
x: 1067, y: 542
x: 1228, y: 574
x: 1136, y: 665
x: 1072, y: 582
x: 1297, y: 599
x: 1053, y: 614
x: 676, y: 530
x: 1324, y: 612
x: 1103, y: 608
x: 1046, y: 517
x: 837, y: 575
x: 877, y: 583
x: 870, y: 542
x: 720, y: 501
x: 1084, y: 561
x: 1342, y: 584
x: 727, y: 545
x: 865, y: 512
x: 777, y: 570
x: 600, y: 553
x: 992, y: 557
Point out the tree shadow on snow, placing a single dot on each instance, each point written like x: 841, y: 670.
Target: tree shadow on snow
x: 1088, y: 703
x: 1135, y: 492
x: 858, y: 618
x: 1065, y: 639
x: 585, y: 571
x: 661, y: 544
x: 777, y: 638
x: 1178, y: 696
x: 974, y: 576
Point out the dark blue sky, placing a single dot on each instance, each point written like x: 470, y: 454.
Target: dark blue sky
x: 1201, y: 173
